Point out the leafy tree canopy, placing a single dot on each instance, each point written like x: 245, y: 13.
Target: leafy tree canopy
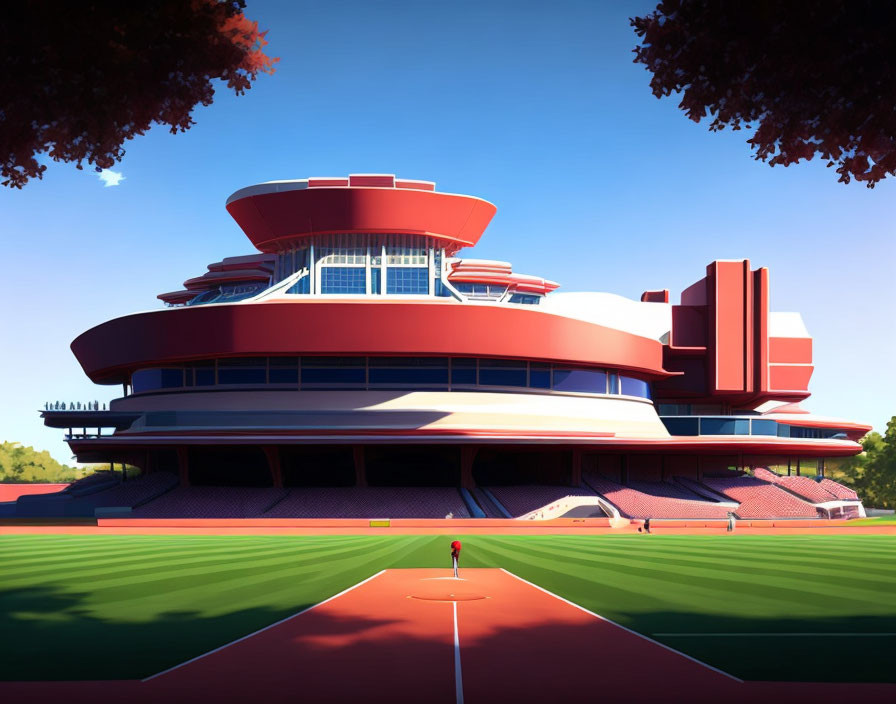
x: 25, y: 464
x: 873, y: 473
x: 815, y: 77
x: 79, y: 79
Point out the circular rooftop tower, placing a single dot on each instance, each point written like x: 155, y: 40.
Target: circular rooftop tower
x: 278, y: 215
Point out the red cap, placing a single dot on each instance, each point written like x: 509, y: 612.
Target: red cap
x: 455, y: 545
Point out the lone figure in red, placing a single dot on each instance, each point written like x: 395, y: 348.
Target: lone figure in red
x: 455, y: 553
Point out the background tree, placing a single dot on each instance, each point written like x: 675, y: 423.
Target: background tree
x: 815, y: 77
x: 79, y: 79
x: 873, y: 473
x: 20, y: 464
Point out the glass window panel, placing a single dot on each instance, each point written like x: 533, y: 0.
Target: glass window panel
x: 283, y: 375
x: 502, y: 372
x: 241, y: 375
x: 343, y: 279
x: 635, y: 387
x: 463, y: 371
x: 205, y: 376
x: 580, y: 381
x: 724, y: 426
x: 239, y: 293
x: 763, y: 427
x: 205, y: 297
x: 613, y: 383
x: 525, y: 299
x: 243, y: 362
x: 303, y: 285
x: 340, y: 376
x: 334, y: 362
x: 152, y: 379
x: 407, y: 280
x: 681, y: 426
x: 539, y: 375
x: 376, y: 280
x: 419, y: 375
x: 441, y: 362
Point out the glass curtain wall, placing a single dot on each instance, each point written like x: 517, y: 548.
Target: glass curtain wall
x: 361, y: 264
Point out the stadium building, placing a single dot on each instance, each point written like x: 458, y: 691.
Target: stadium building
x: 357, y: 365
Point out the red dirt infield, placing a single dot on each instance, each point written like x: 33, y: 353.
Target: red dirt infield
x: 488, y: 637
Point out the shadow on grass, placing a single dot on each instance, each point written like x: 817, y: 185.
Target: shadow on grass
x: 51, y: 635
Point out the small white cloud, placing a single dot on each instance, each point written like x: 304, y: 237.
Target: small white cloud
x: 110, y: 178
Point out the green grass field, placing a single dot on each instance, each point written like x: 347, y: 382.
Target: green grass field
x: 115, y: 607
x: 875, y: 521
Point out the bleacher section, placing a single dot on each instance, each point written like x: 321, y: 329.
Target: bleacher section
x: 760, y: 499
x: 370, y: 502
x: 843, y: 493
x: 210, y: 502
x: 765, y: 495
x: 655, y: 500
x: 98, y: 490
x: 519, y: 500
x: 125, y: 494
x: 486, y: 504
x: 804, y: 487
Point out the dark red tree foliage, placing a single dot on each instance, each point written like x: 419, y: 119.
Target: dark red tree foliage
x: 79, y: 79
x: 815, y: 77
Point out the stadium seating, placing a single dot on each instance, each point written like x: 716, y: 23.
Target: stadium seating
x: 805, y: 487
x: 663, y: 500
x: 370, y: 502
x: 128, y: 493
x: 844, y: 493
x: 486, y: 504
x: 210, y: 502
x: 666, y: 489
x: 760, y: 499
x: 519, y: 500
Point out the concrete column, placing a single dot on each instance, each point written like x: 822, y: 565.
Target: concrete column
x: 360, y: 473
x: 467, y: 457
x: 576, y: 476
x: 272, y: 453
x: 183, y: 465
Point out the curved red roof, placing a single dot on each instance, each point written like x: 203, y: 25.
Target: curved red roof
x: 111, y: 351
x: 278, y: 215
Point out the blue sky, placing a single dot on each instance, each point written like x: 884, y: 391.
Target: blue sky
x: 535, y: 107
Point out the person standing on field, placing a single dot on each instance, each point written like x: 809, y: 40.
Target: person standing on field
x: 455, y: 554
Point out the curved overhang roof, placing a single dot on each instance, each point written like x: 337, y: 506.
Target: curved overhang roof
x: 498, y: 273
x: 597, y: 440
x: 110, y: 352
x: 216, y: 278
x: 279, y: 215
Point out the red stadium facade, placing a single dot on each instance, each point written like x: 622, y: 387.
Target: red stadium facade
x: 357, y: 355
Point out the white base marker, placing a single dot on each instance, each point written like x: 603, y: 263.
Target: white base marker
x: 628, y: 630
x: 262, y: 630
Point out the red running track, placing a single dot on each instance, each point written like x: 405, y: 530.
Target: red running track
x: 392, y: 639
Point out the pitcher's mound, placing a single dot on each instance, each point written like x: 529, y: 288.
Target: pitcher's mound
x: 445, y: 589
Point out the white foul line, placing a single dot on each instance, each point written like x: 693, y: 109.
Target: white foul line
x: 628, y: 630
x: 458, y: 678
x: 261, y: 630
x: 766, y: 635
